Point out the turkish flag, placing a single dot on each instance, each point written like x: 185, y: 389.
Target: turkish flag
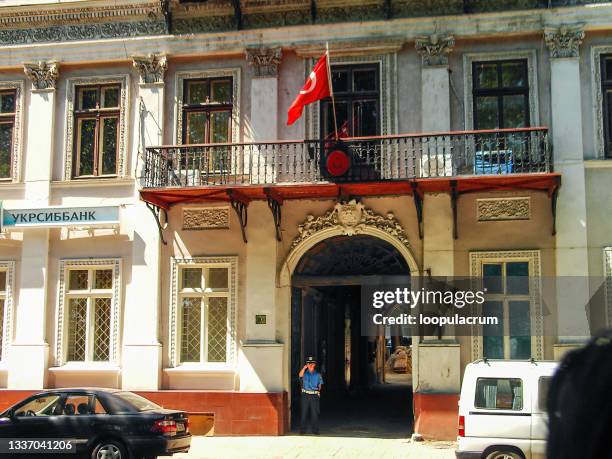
x: 315, y: 88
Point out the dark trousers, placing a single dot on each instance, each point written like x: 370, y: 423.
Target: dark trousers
x: 310, y: 412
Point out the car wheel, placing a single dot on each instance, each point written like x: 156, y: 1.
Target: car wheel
x: 109, y: 449
x: 503, y: 455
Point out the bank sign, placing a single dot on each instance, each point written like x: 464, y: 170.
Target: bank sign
x: 59, y: 216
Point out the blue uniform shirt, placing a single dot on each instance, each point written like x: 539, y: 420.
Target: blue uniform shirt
x: 311, y: 381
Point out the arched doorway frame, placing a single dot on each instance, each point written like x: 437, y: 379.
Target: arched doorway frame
x: 345, y: 219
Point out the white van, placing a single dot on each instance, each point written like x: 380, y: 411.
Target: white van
x: 502, y: 409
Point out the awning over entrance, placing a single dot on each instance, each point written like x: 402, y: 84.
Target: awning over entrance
x: 240, y: 195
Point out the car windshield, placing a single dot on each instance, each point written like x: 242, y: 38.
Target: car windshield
x: 140, y: 403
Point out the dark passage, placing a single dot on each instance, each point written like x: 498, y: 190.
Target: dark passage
x: 363, y: 395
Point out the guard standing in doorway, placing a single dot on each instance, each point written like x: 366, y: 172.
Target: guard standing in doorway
x: 311, y: 392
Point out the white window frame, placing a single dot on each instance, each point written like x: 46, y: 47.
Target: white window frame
x: 180, y: 78
x: 477, y: 260
x: 178, y: 264
x: 597, y: 96
x: 388, y: 100
x: 16, y: 154
x: 532, y: 77
x: 122, y: 145
x: 62, y: 312
x: 8, y: 296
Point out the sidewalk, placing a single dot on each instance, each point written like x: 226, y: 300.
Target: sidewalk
x: 309, y: 447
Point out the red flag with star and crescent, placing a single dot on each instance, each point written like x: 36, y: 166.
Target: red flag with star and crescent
x: 315, y: 88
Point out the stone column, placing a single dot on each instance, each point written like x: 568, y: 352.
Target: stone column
x: 571, y: 238
x: 260, y: 355
x: 29, y: 352
x: 142, y: 351
x: 436, y: 363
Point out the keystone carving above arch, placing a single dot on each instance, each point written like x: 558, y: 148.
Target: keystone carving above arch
x: 351, y: 218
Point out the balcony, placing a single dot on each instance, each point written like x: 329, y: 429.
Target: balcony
x: 407, y: 157
x: 408, y: 164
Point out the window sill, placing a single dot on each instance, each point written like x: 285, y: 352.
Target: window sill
x: 92, y: 182
x: 87, y: 367
x: 598, y: 163
x: 9, y: 184
x: 202, y: 368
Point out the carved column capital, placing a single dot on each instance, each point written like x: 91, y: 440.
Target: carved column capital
x: 42, y: 74
x: 265, y: 61
x: 434, y: 49
x: 151, y: 68
x: 564, y: 41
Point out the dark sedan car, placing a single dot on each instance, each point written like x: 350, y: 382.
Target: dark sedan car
x: 102, y: 423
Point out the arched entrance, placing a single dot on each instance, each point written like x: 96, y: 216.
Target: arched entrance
x: 328, y: 266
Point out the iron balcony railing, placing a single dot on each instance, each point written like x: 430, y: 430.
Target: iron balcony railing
x: 394, y: 157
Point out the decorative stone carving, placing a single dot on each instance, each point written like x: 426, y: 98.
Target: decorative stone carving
x: 434, y: 49
x: 265, y: 61
x: 75, y: 32
x: 151, y: 68
x: 351, y: 218
x: 42, y: 74
x: 564, y: 42
x: 207, y: 218
x: 503, y: 209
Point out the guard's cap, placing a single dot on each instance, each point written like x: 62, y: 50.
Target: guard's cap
x: 311, y: 360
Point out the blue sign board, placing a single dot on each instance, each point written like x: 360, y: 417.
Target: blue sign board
x: 60, y: 216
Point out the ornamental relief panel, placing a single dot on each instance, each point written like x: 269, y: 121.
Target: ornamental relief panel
x: 503, y: 209
x: 351, y: 218
x: 206, y: 218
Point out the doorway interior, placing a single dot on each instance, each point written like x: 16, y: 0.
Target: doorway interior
x: 367, y: 379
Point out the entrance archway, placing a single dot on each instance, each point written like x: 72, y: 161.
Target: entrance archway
x: 327, y: 267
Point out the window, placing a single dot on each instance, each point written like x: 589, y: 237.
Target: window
x: 606, y: 90
x: 89, y: 301
x: 77, y: 405
x: 203, y: 300
x: 501, y: 94
x: 357, y: 97
x: 97, y: 125
x: 44, y: 405
x: 499, y: 394
x: 507, y: 298
x: 207, y: 110
x: 8, y: 100
x: 543, y: 388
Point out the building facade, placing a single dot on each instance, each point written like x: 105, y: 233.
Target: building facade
x: 165, y: 233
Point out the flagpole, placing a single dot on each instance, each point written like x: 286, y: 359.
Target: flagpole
x: 331, y: 90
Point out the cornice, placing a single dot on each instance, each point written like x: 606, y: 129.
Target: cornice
x: 65, y: 14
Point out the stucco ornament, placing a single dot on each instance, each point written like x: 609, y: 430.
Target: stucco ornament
x: 151, y: 68
x: 434, y: 49
x: 42, y: 74
x: 265, y: 61
x: 504, y: 209
x: 564, y: 42
x: 351, y: 218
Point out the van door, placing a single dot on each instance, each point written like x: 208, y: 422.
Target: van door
x: 539, y: 418
x: 502, y: 411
